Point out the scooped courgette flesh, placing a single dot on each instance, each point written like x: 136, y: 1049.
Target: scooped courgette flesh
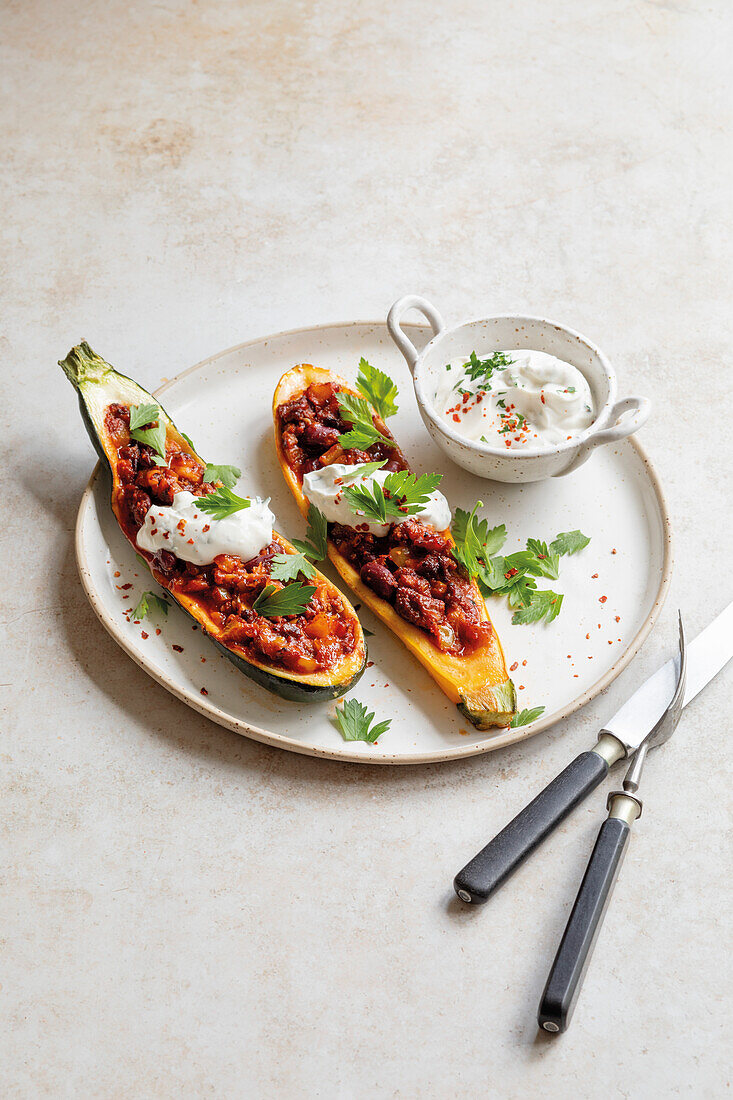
x: 99, y: 386
x: 477, y: 681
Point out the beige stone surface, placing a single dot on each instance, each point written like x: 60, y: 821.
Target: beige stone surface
x: 186, y: 913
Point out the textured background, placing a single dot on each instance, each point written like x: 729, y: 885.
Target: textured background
x: 186, y: 913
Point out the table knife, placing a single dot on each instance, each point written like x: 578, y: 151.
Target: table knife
x: 619, y: 739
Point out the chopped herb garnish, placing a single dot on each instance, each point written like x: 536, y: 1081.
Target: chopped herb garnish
x: 378, y: 388
x: 149, y: 603
x: 286, y: 567
x: 526, y: 716
x: 358, y: 412
x: 227, y: 475
x: 274, y: 602
x: 355, y: 722
x: 223, y: 503
x: 570, y: 389
x: 315, y: 545
x: 481, y: 370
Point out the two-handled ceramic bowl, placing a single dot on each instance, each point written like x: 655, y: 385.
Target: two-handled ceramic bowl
x: 614, y: 419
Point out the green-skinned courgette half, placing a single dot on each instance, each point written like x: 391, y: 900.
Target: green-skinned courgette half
x: 99, y: 386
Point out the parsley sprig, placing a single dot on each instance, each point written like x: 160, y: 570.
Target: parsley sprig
x: 358, y: 412
x: 149, y: 603
x: 378, y: 388
x: 513, y: 576
x: 315, y: 545
x: 355, y: 722
x: 227, y: 475
x: 402, y: 494
x: 223, y: 503
x: 286, y: 567
x: 154, y: 436
x: 274, y: 602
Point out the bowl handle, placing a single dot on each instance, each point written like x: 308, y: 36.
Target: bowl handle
x: 638, y: 408
x: 394, y: 318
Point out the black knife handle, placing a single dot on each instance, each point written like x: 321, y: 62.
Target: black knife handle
x: 500, y: 858
x: 576, y: 946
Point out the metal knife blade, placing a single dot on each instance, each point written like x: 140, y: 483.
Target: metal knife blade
x: 706, y: 655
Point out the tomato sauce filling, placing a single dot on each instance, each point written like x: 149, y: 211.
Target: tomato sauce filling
x: 411, y: 567
x: 313, y: 641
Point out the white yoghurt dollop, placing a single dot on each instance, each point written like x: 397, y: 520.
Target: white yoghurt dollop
x: 528, y: 400
x: 193, y: 535
x: 325, y: 489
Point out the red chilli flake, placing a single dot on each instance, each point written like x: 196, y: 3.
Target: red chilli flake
x: 521, y: 687
x: 124, y: 587
x: 204, y: 691
x: 618, y: 618
x: 117, y: 573
x: 157, y: 630
x: 144, y: 635
x: 178, y: 648
x: 514, y: 667
x: 603, y: 599
x: 594, y: 576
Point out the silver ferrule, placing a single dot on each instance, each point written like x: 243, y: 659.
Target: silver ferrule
x: 610, y: 748
x: 624, y: 806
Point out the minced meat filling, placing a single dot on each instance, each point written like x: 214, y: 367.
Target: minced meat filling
x: 313, y: 641
x: 411, y: 567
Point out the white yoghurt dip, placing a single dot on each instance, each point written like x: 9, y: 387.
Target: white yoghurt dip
x: 517, y: 399
x: 193, y: 535
x: 325, y: 489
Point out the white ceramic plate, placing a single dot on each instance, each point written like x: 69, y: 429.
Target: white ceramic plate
x: 224, y: 404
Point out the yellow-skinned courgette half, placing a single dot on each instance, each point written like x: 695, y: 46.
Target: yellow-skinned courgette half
x: 279, y: 621
x: 406, y: 574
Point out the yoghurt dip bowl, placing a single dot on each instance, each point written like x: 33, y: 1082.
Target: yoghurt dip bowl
x: 577, y: 412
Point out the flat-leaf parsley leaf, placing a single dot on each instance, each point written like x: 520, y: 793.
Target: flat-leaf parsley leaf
x: 150, y: 602
x: 378, y: 388
x: 227, y: 475
x: 569, y: 542
x: 223, y: 503
x: 291, y: 600
x: 355, y: 722
x: 152, y: 437
x: 526, y: 716
x: 315, y: 545
x: 286, y: 567
x: 358, y: 412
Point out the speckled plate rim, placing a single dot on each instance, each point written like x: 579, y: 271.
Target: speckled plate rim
x: 496, y: 740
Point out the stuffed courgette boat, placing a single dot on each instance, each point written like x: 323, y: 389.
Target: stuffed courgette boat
x: 262, y: 603
x: 400, y: 565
